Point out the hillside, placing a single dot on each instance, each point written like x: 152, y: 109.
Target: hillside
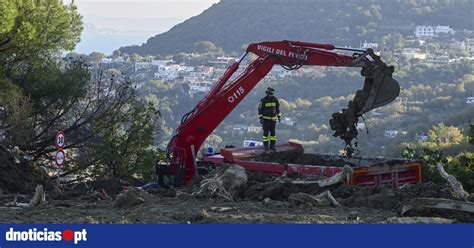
x: 232, y: 23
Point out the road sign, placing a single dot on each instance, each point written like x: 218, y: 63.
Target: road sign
x: 60, y: 157
x: 60, y: 140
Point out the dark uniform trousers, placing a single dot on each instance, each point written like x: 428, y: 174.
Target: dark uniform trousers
x: 269, y: 134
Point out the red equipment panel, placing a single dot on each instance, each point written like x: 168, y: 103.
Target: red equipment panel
x: 249, y: 153
x: 367, y: 172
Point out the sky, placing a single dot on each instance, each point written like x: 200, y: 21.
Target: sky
x: 110, y: 24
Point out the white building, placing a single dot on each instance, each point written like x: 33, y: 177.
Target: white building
x: 390, y: 133
x: 222, y: 61
x: 168, y: 72
x: 443, y: 30
x: 470, y: 100
x: 254, y: 129
x: 106, y: 61
x: 161, y: 62
x: 423, y: 137
x: 430, y: 31
x: 413, y: 53
x: 239, y: 127
x: 424, y: 31
x: 372, y: 45
x: 142, y: 65
x: 199, y: 86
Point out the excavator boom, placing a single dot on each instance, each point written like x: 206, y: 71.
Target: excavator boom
x: 379, y: 89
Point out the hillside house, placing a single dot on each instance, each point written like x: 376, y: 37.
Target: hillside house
x: 222, y: 61
x: 422, y: 137
x: 372, y: 45
x: 470, y: 100
x: 432, y: 31
x: 199, y: 86
x: 254, y: 129
x: 413, y: 53
x: 390, y: 133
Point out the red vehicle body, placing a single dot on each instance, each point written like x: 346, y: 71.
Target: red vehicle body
x: 225, y: 95
x: 366, y: 171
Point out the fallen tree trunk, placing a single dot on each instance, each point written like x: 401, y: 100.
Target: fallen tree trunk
x: 38, y: 198
x: 340, y: 177
x: 321, y: 200
x: 455, y: 184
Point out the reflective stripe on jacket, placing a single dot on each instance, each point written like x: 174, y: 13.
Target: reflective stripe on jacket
x: 269, y: 108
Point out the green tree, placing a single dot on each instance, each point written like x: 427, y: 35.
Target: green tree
x: 34, y: 32
x: 96, y: 57
x: 471, y: 134
x: 126, y: 141
x: 444, y: 135
x: 135, y: 57
x: 206, y: 47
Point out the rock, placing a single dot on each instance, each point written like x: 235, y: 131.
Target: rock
x: 275, y: 190
x: 234, y: 179
x: 224, y: 209
x: 201, y: 215
x: 228, y: 183
x: 274, y: 203
x: 353, y: 215
x: 129, y: 199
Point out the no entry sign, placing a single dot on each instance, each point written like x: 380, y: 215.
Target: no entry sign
x: 60, y: 156
x: 60, y: 140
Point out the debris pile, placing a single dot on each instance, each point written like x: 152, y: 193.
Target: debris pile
x: 292, y: 157
x: 228, y: 183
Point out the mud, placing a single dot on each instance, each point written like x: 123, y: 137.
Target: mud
x: 344, y: 123
x: 266, y: 200
x: 292, y: 157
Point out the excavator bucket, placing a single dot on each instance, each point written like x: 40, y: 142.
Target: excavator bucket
x: 379, y: 88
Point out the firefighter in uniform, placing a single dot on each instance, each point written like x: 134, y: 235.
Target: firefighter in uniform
x: 269, y: 113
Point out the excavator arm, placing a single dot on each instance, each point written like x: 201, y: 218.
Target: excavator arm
x: 379, y: 89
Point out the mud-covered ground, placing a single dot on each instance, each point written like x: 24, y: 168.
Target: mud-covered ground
x: 264, y: 200
x: 259, y: 198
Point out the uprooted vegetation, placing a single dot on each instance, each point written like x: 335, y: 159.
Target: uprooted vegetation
x: 232, y: 195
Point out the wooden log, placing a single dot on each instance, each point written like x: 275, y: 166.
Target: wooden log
x: 455, y: 184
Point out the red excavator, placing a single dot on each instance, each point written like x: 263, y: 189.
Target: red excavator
x: 379, y: 89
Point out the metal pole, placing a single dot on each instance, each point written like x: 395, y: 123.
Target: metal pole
x: 194, y: 160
